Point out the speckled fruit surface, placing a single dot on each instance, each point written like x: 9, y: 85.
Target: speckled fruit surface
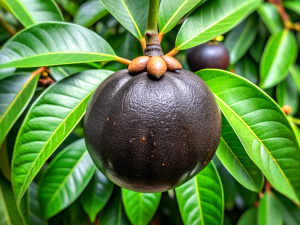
x: 208, y: 55
x: 151, y: 135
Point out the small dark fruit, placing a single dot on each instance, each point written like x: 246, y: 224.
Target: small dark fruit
x: 212, y: 54
x: 151, y: 135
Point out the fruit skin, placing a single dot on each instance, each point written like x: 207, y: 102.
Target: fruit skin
x: 212, y: 54
x: 150, y: 135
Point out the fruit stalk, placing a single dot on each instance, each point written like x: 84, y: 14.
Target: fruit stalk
x: 152, y: 43
x: 152, y: 32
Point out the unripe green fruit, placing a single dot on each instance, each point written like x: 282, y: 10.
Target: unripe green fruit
x: 212, y: 54
x: 152, y: 135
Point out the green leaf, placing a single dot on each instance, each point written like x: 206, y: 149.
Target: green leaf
x: 140, y: 207
x: 35, y: 216
x: 65, y: 178
x: 89, y: 13
x: 234, y: 157
x: 249, y: 217
x: 9, y: 212
x: 292, y: 5
x: 257, y: 48
x: 220, y: 16
x: 287, y: 94
x: 269, y: 212
x: 279, y: 54
x: 295, y: 72
x: 15, y: 94
x: 113, y: 212
x: 96, y: 195
x: 201, y: 199
x: 239, y: 40
x: 60, y: 72
x: 49, y: 121
x: 271, y: 17
x: 262, y: 127
x: 171, y: 11
x: 30, y: 12
x: 55, y: 43
x: 290, y: 212
x: 296, y: 131
x: 131, y: 14
x: 248, y: 69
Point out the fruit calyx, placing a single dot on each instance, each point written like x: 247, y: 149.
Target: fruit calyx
x: 156, y: 66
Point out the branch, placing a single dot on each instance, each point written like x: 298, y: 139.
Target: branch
x: 123, y: 60
x: 173, y: 52
x: 7, y: 27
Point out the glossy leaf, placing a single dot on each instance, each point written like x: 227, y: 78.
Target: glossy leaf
x: 248, y: 69
x: 201, y: 199
x: 269, y: 212
x: 55, y: 43
x: 60, y: 72
x: 271, y: 17
x: 279, y: 54
x: 256, y: 50
x: 65, y: 179
x: 171, y: 11
x: 15, y: 93
x: 131, y: 14
x: 295, y: 72
x: 290, y: 212
x: 287, y: 94
x: 234, y: 157
x: 9, y: 212
x: 140, y: 207
x: 262, y: 127
x: 30, y: 12
x: 249, y: 217
x: 35, y: 216
x: 89, y: 13
x: 49, y: 121
x: 113, y: 212
x: 96, y: 195
x: 220, y: 16
x: 292, y: 5
x: 239, y: 40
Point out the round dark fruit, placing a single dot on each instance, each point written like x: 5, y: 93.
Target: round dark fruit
x: 151, y: 135
x: 212, y: 54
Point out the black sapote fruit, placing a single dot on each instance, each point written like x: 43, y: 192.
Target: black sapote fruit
x: 151, y: 134
x: 212, y: 54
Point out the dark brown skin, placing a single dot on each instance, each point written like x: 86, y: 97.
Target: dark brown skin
x: 212, y: 54
x: 150, y: 135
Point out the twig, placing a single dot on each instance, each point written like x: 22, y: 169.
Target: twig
x: 7, y: 27
x: 123, y: 60
x: 173, y: 52
x: 284, y: 16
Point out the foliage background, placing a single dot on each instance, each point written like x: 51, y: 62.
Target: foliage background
x: 65, y: 187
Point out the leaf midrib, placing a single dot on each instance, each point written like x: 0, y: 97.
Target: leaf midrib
x: 16, y: 97
x: 284, y: 34
x: 47, y: 142
x: 218, y: 21
x: 199, y: 201
x: 65, y: 179
x: 175, y: 13
x: 274, y: 160
x: 134, y: 23
x: 238, y: 160
x: 25, y: 10
x: 56, y: 53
